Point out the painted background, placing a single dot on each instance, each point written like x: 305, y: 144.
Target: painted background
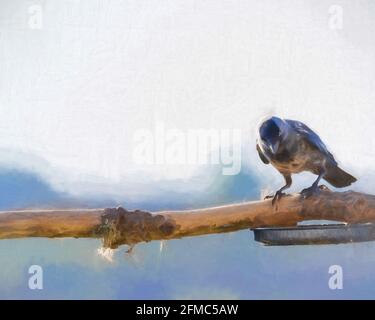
x: 75, y: 88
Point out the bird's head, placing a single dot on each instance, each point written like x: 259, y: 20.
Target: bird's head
x: 272, y: 132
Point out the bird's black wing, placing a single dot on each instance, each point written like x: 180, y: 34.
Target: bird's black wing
x: 311, y: 137
x: 262, y: 156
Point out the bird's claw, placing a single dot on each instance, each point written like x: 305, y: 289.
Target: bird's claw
x: 310, y: 192
x: 276, y: 197
x: 268, y: 197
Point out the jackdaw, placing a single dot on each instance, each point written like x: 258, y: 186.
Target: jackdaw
x: 292, y: 147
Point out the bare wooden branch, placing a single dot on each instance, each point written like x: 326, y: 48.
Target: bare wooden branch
x: 118, y: 226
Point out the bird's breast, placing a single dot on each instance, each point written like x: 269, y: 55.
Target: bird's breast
x: 294, y: 166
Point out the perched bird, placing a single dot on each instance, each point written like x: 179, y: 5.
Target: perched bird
x: 292, y: 147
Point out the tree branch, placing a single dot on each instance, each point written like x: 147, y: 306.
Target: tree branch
x: 118, y: 226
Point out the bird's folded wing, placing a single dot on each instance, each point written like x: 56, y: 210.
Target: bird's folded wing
x: 311, y: 137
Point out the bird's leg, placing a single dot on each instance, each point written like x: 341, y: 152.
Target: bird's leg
x: 314, y: 189
x: 279, y: 193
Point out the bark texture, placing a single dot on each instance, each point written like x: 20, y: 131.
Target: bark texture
x: 117, y: 226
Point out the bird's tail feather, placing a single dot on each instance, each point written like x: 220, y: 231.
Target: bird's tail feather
x: 338, y: 177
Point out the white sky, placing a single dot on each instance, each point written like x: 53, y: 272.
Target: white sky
x: 73, y: 93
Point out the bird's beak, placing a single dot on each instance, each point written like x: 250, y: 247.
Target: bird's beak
x: 274, y: 147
